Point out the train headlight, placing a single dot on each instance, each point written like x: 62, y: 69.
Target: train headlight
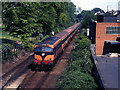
x: 43, y: 54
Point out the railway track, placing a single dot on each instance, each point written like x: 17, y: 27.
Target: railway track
x: 42, y: 79
x: 10, y: 67
x: 15, y: 72
x: 34, y: 80
x: 38, y: 79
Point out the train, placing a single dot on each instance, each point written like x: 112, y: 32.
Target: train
x: 48, y: 50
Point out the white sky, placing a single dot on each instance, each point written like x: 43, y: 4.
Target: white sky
x: 90, y: 4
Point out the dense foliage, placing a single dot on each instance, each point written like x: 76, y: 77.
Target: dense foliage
x: 87, y: 15
x: 78, y: 73
x: 24, y: 19
x: 6, y: 52
x: 9, y: 51
x: 36, y: 19
x: 95, y: 10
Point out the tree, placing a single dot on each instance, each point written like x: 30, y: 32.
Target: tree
x: 95, y: 10
x: 79, y: 16
x: 27, y: 19
x: 78, y: 10
x: 88, y: 16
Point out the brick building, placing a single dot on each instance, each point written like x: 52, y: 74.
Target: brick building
x: 105, y: 34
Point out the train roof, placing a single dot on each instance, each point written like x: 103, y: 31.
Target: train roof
x: 57, y: 37
x: 51, y: 40
x: 71, y: 27
x: 62, y: 34
x: 68, y: 30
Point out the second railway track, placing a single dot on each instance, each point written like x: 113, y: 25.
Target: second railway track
x: 43, y: 79
x: 16, y: 72
x: 24, y: 78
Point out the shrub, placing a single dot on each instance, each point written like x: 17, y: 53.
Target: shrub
x: 83, y: 44
x: 78, y: 73
x: 7, y: 53
x: 79, y: 53
x: 77, y: 79
x: 84, y: 65
x: 27, y: 44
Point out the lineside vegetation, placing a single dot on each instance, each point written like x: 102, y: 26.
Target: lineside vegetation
x: 78, y: 73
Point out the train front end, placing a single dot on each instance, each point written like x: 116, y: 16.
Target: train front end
x: 43, y: 55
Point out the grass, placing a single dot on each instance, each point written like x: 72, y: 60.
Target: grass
x: 5, y: 35
x: 2, y: 25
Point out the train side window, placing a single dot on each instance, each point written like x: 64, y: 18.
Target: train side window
x: 68, y: 36
x: 58, y: 46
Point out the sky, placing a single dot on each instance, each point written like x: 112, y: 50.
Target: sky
x: 102, y: 4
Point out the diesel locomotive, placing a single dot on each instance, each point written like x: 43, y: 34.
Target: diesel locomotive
x: 47, y: 51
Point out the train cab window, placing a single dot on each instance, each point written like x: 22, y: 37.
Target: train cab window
x: 43, y: 49
x: 48, y: 49
x: 38, y: 49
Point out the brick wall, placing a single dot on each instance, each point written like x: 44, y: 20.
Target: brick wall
x: 101, y: 36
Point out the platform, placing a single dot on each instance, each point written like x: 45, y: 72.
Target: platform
x: 107, y: 68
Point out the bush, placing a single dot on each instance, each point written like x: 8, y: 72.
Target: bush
x: 79, y: 53
x: 83, y: 43
x: 9, y: 50
x: 77, y: 79
x: 78, y: 73
x: 84, y: 65
x: 7, y: 53
x: 27, y: 44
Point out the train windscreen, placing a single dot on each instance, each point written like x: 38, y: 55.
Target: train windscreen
x: 47, y: 49
x: 43, y: 49
x: 38, y: 49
